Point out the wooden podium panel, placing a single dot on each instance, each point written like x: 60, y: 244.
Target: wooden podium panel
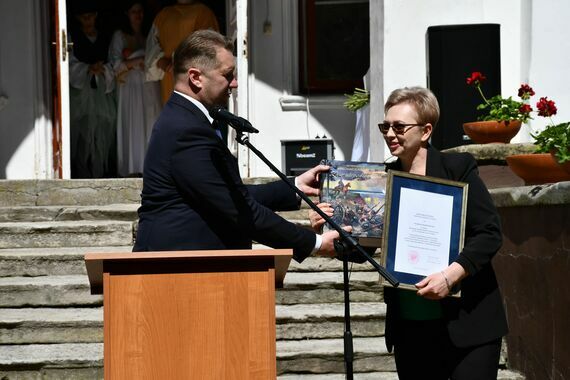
x: 189, y: 315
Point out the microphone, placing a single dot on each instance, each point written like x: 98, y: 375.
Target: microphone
x: 238, y: 123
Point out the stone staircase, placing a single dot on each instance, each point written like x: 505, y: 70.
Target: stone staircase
x: 51, y: 327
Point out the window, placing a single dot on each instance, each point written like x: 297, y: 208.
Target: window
x: 334, y: 45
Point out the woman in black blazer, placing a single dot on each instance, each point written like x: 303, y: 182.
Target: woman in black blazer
x: 435, y: 336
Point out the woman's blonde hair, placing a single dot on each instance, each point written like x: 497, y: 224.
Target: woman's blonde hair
x: 421, y: 99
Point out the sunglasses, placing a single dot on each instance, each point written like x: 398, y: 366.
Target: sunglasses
x: 398, y: 128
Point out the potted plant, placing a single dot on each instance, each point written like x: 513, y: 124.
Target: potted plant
x: 503, y: 116
x: 555, y: 138
x: 551, y: 162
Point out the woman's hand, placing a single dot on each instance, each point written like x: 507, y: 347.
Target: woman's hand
x: 316, y: 220
x: 438, y: 285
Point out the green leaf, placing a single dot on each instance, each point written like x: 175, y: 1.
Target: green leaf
x: 357, y: 100
x: 554, y: 138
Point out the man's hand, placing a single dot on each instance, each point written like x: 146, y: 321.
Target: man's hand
x: 308, y: 182
x: 327, y: 246
x: 316, y: 220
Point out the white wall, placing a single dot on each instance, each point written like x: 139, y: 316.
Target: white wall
x: 535, y: 47
x: 405, y: 42
x: 549, y: 64
x: 272, y: 81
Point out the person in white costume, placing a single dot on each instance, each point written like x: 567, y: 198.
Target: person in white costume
x: 92, y: 98
x: 138, y: 101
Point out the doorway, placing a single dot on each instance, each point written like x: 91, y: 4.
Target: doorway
x: 109, y: 17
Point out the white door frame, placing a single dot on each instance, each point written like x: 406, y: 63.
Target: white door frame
x: 61, y: 41
x: 237, y: 27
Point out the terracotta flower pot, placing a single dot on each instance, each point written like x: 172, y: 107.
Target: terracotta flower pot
x: 485, y: 132
x: 565, y: 165
x: 536, y: 169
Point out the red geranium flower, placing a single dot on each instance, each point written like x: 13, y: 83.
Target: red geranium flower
x: 476, y: 78
x: 525, y: 92
x: 525, y: 109
x: 499, y: 108
x: 546, y: 107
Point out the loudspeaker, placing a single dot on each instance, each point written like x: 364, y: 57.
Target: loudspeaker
x: 453, y: 53
x: 298, y: 156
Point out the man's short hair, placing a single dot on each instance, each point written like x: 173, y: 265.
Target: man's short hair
x: 421, y: 99
x: 199, y: 50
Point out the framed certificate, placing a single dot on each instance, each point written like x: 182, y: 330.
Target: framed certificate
x: 424, y: 225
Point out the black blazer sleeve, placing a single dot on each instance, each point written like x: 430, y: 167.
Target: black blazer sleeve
x: 277, y: 196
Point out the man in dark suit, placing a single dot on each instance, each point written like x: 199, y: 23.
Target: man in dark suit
x: 193, y: 197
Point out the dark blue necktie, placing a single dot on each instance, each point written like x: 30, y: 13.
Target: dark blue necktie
x: 216, y: 127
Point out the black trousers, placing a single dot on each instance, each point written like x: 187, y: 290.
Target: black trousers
x: 423, y: 350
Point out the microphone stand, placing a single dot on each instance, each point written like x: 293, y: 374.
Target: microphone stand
x: 343, y: 247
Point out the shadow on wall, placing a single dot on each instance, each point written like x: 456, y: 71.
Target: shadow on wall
x: 21, y: 89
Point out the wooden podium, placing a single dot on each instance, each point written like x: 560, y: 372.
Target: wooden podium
x: 189, y: 314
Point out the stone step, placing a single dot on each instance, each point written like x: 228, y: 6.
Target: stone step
x: 327, y: 264
x: 52, y: 361
x: 320, y: 321
x: 325, y: 356
x: 327, y: 287
x: 339, y: 376
x: 102, y: 191
x: 73, y: 290
x: 502, y: 375
x: 48, y: 291
x: 31, y: 262
x: 304, y: 356
x: 85, y: 325
x: 70, y: 192
x: 51, y: 325
x: 85, y: 361
x: 121, y: 211
x: 69, y: 260
x: 65, y: 234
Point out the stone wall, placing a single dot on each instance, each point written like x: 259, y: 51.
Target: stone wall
x: 532, y: 268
